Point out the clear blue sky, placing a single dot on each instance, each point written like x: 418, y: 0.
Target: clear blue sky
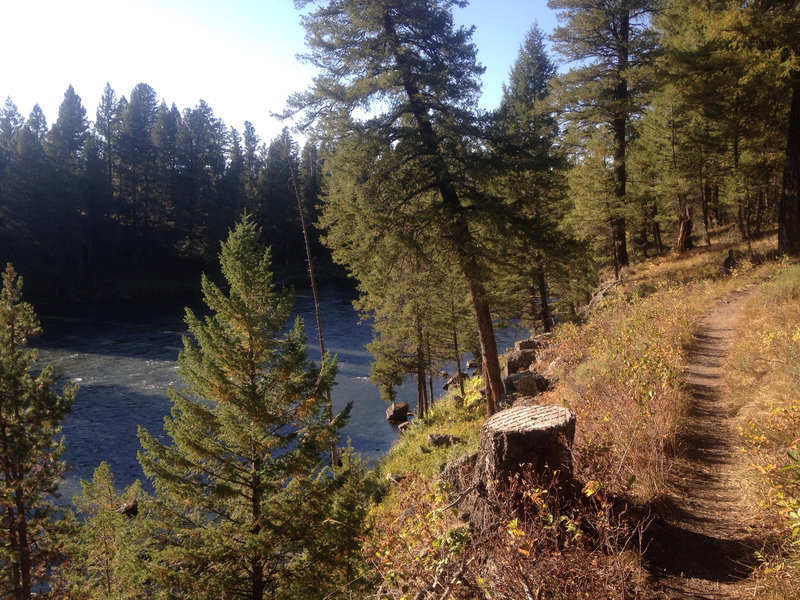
x: 237, y: 55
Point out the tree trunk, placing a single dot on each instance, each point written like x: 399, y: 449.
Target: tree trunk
x: 704, y: 192
x: 546, y: 318
x: 789, y: 205
x: 657, y: 237
x: 619, y: 125
x: 685, y: 234
x: 490, y: 363
x: 24, y: 549
x: 429, y: 364
x: 317, y: 310
x: 456, y: 350
x: 422, y: 406
x: 454, y: 214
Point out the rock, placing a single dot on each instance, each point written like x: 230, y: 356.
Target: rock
x: 397, y: 412
x: 527, y: 383
x: 454, y: 380
x: 530, y: 344
x: 439, y: 440
x: 402, y: 427
x: 474, y: 364
x: 603, y: 291
x: 444, y: 373
x: 554, y: 370
x: 518, y: 360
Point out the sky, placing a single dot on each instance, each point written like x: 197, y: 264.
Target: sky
x: 237, y: 55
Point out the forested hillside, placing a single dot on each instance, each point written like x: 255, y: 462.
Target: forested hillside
x: 647, y: 147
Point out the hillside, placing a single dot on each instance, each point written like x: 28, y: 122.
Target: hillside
x: 682, y: 381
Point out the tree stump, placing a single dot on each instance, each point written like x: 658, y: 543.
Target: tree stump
x: 527, y: 439
x: 537, y: 435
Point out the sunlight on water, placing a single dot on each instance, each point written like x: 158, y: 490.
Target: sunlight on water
x: 124, y: 359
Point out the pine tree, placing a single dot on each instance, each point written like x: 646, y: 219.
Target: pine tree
x: 30, y: 448
x: 239, y: 491
x: 107, y: 553
x: 416, y: 76
x: 610, y: 42
x: 530, y: 176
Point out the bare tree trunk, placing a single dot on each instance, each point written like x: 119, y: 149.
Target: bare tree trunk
x: 704, y: 192
x: 545, y: 305
x: 455, y: 348
x: 789, y: 206
x: 317, y: 311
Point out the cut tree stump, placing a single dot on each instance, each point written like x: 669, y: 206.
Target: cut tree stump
x: 521, y: 439
x: 540, y: 436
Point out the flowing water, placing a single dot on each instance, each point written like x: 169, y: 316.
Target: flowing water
x: 123, y: 357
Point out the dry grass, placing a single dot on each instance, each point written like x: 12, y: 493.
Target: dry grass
x: 621, y: 376
x: 621, y: 373
x: 764, y: 375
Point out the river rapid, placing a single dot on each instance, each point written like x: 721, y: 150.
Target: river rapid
x: 123, y: 356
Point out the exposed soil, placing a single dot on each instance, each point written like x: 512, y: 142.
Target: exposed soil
x: 702, y: 543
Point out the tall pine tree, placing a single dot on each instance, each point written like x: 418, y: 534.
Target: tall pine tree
x: 609, y: 42
x: 411, y: 156
x: 238, y: 486
x: 30, y: 448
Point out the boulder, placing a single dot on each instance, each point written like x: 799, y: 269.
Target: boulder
x: 474, y: 364
x: 397, y: 412
x: 530, y: 344
x: 518, y: 360
x: 444, y: 373
x: 454, y: 380
x: 527, y: 383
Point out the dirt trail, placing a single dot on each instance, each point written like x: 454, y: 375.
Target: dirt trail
x: 702, y: 544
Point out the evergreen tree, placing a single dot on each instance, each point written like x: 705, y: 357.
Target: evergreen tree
x: 416, y: 76
x: 733, y: 115
x: 37, y: 122
x: 107, y: 552
x: 610, y: 42
x: 530, y: 176
x: 30, y: 449
x: 60, y: 220
x: 239, y: 493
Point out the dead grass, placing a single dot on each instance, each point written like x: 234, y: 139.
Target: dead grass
x: 764, y: 376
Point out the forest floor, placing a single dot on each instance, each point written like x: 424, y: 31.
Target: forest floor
x: 702, y: 544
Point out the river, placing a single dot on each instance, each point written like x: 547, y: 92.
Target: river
x: 123, y: 357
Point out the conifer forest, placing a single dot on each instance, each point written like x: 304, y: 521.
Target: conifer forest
x: 641, y: 169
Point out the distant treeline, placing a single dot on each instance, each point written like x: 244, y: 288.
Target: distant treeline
x: 136, y: 201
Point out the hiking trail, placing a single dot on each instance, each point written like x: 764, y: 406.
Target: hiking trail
x: 702, y: 543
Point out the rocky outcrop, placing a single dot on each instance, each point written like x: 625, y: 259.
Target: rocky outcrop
x: 527, y: 383
x: 397, y: 412
x: 517, y: 361
x: 454, y: 381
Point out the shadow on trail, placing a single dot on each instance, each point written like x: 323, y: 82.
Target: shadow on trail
x: 676, y: 550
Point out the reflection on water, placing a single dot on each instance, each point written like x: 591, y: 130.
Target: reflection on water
x: 124, y: 358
